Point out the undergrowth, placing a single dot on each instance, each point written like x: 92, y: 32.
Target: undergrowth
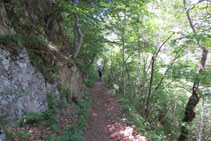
x: 92, y: 77
x: 73, y: 132
x: 143, y: 127
x: 76, y: 132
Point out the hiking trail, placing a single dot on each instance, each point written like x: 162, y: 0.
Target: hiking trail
x: 107, y: 120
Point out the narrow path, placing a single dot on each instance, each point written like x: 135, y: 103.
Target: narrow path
x: 107, y: 121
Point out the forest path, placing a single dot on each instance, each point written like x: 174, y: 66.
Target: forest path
x: 107, y: 121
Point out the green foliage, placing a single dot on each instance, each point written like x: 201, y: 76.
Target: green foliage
x: 33, y: 118
x: 36, y: 60
x: 3, y: 126
x: 147, y: 25
x: 76, y: 132
x: 136, y: 118
x: 92, y: 77
x: 56, y: 128
x: 49, y: 115
x: 64, y: 93
x: 35, y: 41
x: 10, y: 38
x: 36, y: 118
x: 52, y: 102
x: 23, y: 134
x: 106, y: 81
x: 49, y: 137
x: 84, y: 106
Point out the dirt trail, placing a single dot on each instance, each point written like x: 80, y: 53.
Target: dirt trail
x: 107, y: 121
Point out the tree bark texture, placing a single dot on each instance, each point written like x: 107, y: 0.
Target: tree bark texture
x: 79, y: 38
x: 138, y: 76
x: 149, y: 90
x: 195, y: 97
x: 200, y: 134
x: 123, y: 53
x: 128, y: 80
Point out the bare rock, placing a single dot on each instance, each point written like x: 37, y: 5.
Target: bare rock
x: 23, y: 89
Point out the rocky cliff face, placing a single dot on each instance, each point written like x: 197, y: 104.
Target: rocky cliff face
x: 71, y: 78
x: 23, y: 88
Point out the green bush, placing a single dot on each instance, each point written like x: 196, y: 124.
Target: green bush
x: 34, y: 41
x: 10, y: 38
x: 23, y: 134
x: 52, y: 102
x: 3, y: 126
x: 92, y: 77
x: 56, y: 128
x: 76, y: 132
x: 64, y: 92
x: 49, y: 115
x: 135, y: 117
x: 33, y: 118
x: 49, y: 137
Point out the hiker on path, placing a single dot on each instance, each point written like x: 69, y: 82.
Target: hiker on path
x: 100, y: 73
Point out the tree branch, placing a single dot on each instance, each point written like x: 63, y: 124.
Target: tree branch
x: 162, y: 45
x: 129, y: 56
x: 194, y: 5
x: 166, y: 72
x: 80, y: 36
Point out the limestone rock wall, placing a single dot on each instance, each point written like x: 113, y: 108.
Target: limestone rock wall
x: 71, y: 78
x: 22, y: 88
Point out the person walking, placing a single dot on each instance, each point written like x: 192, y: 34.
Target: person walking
x: 100, y: 73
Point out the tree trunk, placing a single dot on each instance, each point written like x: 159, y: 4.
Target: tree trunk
x: 138, y: 76
x: 200, y: 134
x: 195, y: 97
x: 149, y: 90
x: 79, y: 38
x: 128, y: 82
x: 111, y: 68
x: 123, y: 53
x: 144, y: 75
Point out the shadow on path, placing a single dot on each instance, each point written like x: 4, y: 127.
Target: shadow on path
x: 107, y: 121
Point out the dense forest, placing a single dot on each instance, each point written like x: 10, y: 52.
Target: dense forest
x: 155, y: 54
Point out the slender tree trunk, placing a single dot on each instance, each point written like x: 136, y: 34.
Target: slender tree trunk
x: 166, y: 72
x: 128, y: 80
x: 195, y: 97
x: 123, y: 53
x: 138, y: 76
x: 155, y: 55
x: 200, y: 134
x: 111, y: 69
x: 152, y: 76
x: 144, y: 74
x: 79, y: 39
x: 149, y: 90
